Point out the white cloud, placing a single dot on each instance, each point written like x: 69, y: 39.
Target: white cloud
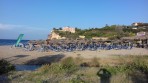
x: 9, y: 26
x: 15, y: 30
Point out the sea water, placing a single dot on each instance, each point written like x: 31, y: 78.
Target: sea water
x: 26, y: 67
x: 4, y: 42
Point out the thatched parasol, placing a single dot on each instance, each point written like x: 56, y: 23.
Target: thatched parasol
x: 143, y: 37
x: 128, y: 38
x: 117, y: 41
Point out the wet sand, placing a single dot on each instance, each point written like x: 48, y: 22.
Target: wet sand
x: 20, y: 56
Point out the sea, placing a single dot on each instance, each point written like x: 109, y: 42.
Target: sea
x: 4, y: 42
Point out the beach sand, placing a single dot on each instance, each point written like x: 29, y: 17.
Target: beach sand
x: 20, y: 56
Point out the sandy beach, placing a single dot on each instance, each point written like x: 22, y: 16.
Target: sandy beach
x: 20, y: 56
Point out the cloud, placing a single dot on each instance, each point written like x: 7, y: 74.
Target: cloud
x: 20, y: 27
x: 8, y: 26
x: 12, y: 31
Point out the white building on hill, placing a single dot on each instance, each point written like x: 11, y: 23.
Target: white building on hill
x: 69, y: 29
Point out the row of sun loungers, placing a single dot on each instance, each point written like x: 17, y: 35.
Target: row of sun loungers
x: 76, y: 47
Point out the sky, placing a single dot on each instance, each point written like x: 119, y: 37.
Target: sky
x: 36, y: 18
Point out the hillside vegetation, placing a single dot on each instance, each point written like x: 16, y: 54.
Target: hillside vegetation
x: 112, y: 32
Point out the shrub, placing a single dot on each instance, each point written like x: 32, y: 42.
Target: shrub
x: 93, y: 63
x: 5, y: 66
x: 44, y: 69
x: 117, y: 69
x: 136, y: 64
x: 139, y: 64
x: 78, y: 60
x: 139, y: 70
x: 77, y: 79
x: 69, y: 65
x: 56, y: 68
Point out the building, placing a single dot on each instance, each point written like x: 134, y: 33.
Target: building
x: 141, y: 33
x: 69, y: 29
x: 138, y: 24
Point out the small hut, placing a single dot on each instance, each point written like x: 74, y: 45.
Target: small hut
x: 141, y: 39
